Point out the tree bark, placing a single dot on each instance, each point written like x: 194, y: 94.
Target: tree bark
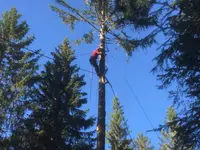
x: 101, y: 103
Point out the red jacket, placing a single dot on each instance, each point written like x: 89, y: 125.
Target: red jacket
x: 95, y: 53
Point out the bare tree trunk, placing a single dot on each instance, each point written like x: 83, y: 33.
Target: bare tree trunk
x: 101, y: 105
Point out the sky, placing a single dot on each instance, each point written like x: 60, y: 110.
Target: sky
x: 50, y: 31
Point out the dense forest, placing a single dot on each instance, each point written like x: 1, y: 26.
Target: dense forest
x: 44, y: 108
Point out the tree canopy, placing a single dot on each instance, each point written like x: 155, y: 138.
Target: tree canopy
x: 179, y: 61
x: 40, y: 110
x: 56, y: 120
x: 143, y: 143
x: 122, y: 18
x: 17, y: 67
x: 117, y: 134
x: 44, y: 109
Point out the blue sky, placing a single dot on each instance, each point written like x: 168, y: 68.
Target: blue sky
x: 49, y: 31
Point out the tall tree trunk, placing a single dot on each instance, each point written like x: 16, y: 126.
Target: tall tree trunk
x: 101, y: 105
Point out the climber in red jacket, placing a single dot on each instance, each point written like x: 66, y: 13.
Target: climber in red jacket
x: 93, y: 59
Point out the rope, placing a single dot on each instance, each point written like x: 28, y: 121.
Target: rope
x: 85, y: 70
x: 96, y: 100
x: 83, y: 54
x: 42, y: 55
x: 150, y: 122
x: 123, y: 118
x: 91, y: 77
x: 140, y: 106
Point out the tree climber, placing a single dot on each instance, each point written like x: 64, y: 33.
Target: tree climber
x: 93, y: 59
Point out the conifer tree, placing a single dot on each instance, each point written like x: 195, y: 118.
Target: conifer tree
x: 117, y: 133
x: 114, y: 21
x: 57, y: 120
x: 143, y: 143
x: 168, y: 136
x: 170, y: 140
x: 178, y: 62
x: 16, y: 69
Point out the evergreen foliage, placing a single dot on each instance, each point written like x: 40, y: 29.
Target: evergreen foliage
x: 116, y: 22
x: 17, y: 67
x: 117, y: 135
x: 56, y: 119
x: 179, y: 61
x: 39, y: 111
x: 143, y: 143
x: 122, y: 18
x: 167, y: 139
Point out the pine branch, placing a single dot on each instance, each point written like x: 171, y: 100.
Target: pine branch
x: 75, y: 12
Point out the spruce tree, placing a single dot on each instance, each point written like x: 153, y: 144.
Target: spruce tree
x: 17, y: 67
x: 117, y: 134
x: 178, y: 62
x: 168, y: 136
x: 143, y: 143
x: 170, y: 140
x: 57, y: 120
x: 115, y: 21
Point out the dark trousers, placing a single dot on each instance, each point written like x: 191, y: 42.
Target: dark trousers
x: 93, y: 62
